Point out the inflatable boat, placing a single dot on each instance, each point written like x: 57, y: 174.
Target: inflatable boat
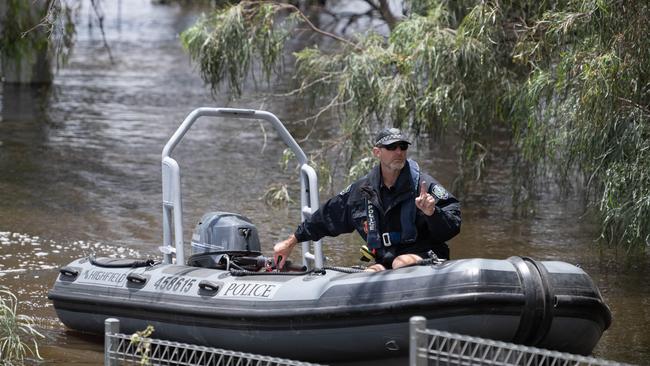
x: 228, y: 295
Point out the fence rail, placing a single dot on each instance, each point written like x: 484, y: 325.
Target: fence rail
x: 433, y: 347
x: 119, y: 349
x: 427, y: 347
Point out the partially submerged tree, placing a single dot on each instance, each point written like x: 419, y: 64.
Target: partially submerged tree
x: 430, y: 72
x: 36, y: 37
x: 568, y: 79
x: 587, y: 106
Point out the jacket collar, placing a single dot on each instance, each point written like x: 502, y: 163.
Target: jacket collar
x: 403, y: 182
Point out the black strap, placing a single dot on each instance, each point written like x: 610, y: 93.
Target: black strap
x: 537, y: 312
x: 121, y: 263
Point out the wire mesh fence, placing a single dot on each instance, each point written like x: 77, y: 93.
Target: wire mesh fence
x: 433, y: 347
x: 120, y: 349
x: 427, y: 347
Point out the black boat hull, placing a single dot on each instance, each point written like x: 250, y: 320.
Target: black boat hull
x: 340, y: 316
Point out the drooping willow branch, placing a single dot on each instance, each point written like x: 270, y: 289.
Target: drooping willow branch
x: 301, y: 15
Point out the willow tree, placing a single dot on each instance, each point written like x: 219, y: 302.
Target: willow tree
x: 564, y: 77
x: 437, y: 67
x: 34, y: 36
x: 586, y: 102
x: 38, y: 36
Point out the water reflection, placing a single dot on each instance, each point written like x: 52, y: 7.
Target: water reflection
x: 80, y: 173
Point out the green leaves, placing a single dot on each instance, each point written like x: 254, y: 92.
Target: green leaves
x: 588, y: 99
x: 142, y: 343
x: 227, y: 42
x: 569, y: 81
x: 19, y: 36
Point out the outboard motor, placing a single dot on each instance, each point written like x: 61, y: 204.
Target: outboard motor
x: 227, y: 233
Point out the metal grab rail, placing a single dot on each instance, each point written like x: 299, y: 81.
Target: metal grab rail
x: 171, y: 182
x: 119, y: 349
x: 309, y: 195
x: 434, y: 347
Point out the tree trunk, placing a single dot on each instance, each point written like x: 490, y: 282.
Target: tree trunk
x: 34, y: 64
x: 389, y: 17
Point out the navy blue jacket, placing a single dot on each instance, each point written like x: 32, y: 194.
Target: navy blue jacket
x: 347, y: 211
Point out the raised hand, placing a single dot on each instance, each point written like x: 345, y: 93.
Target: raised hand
x: 425, y: 202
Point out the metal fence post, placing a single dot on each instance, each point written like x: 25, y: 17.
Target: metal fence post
x: 111, y: 325
x: 417, y: 325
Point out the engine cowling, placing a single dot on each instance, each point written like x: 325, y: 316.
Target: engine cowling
x: 225, y: 232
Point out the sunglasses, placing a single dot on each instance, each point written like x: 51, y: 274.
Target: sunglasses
x: 402, y: 145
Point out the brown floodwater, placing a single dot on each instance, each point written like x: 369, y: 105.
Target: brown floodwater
x: 80, y: 174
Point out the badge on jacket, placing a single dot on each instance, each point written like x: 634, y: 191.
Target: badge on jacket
x: 440, y: 192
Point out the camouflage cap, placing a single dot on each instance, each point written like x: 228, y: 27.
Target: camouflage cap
x: 389, y: 136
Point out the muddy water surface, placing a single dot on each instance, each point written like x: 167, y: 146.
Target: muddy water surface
x: 80, y: 174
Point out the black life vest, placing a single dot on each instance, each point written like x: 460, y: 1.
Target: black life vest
x: 375, y: 239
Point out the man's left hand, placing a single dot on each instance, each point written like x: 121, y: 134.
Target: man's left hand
x: 425, y: 202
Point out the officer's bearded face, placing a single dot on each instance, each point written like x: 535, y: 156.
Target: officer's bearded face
x: 396, y: 165
x: 393, y: 160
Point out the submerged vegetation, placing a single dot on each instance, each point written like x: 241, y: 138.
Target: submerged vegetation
x: 17, y: 332
x: 586, y: 106
x: 569, y: 80
x: 36, y: 37
x: 33, y: 36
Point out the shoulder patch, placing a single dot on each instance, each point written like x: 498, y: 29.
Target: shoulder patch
x: 439, y: 192
x: 346, y: 190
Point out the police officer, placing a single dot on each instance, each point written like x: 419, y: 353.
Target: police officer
x: 403, y: 214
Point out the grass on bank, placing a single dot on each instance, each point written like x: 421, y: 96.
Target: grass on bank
x: 18, y: 334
